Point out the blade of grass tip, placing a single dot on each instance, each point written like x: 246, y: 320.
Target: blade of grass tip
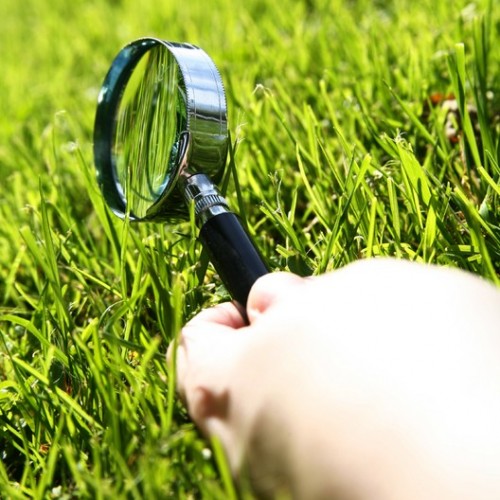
x: 30, y: 327
x: 51, y: 461
x: 430, y: 233
x: 354, y: 180
x: 417, y: 185
x: 13, y: 271
x: 98, y: 372
x: 135, y: 295
x: 45, y: 256
x: 491, y: 182
x: 337, y: 129
x: 457, y: 68
x: 131, y: 346
x: 279, y: 114
x: 418, y: 124
x: 228, y: 172
x: 332, y: 162
x: 293, y: 206
x: 358, y: 172
x: 394, y: 207
x: 495, y: 162
x: 319, y: 207
x: 481, y: 55
x: 29, y: 475
x: 284, y: 225
x: 7, y: 490
x: 416, y: 173
x: 123, y: 257
x: 475, y: 222
x: 237, y: 188
x: 311, y: 124
x: 100, y: 207
x: 77, y: 470
x: 50, y: 253
x: 150, y: 352
x: 224, y: 470
x: 23, y: 386
x: 147, y: 262
x: 63, y: 396
x: 371, y: 230
x: 367, y: 115
x: 202, y: 258
x: 470, y: 208
x: 481, y: 43
x: 177, y: 307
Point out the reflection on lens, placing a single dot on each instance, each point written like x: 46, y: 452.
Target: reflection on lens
x: 150, y: 118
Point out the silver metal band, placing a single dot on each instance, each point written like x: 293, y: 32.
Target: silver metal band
x: 205, y: 106
x: 208, y: 202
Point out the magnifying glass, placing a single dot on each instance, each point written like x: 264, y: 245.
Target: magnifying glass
x: 161, y: 142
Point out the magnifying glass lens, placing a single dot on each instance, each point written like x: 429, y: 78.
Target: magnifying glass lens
x: 151, y: 114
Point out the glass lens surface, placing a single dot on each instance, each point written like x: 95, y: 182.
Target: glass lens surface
x: 151, y: 115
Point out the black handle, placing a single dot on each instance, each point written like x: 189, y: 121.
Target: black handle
x: 233, y: 254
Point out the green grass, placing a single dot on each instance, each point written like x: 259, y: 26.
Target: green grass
x: 338, y: 154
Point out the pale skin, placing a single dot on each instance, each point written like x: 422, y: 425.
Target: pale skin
x: 377, y: 381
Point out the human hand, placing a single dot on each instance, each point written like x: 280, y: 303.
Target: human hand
x: 380, y: 380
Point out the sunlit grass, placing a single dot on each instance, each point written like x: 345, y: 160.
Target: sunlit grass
x: 340, y: 151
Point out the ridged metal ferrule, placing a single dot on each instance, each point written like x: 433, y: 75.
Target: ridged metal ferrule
x: 207, y: 200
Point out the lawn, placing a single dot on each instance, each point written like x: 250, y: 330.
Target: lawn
x: 358, y: 129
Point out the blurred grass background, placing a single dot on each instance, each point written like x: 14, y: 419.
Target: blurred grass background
x: 345, y: 148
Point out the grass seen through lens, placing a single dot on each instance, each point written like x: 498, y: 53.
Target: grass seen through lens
x: 358, y: 129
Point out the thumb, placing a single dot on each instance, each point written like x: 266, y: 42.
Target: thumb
x: 268, y: 289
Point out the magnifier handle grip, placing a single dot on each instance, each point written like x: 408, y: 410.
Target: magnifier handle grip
x: 233, y: 254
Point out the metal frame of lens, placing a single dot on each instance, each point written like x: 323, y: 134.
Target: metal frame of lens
x: 204, y: 143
